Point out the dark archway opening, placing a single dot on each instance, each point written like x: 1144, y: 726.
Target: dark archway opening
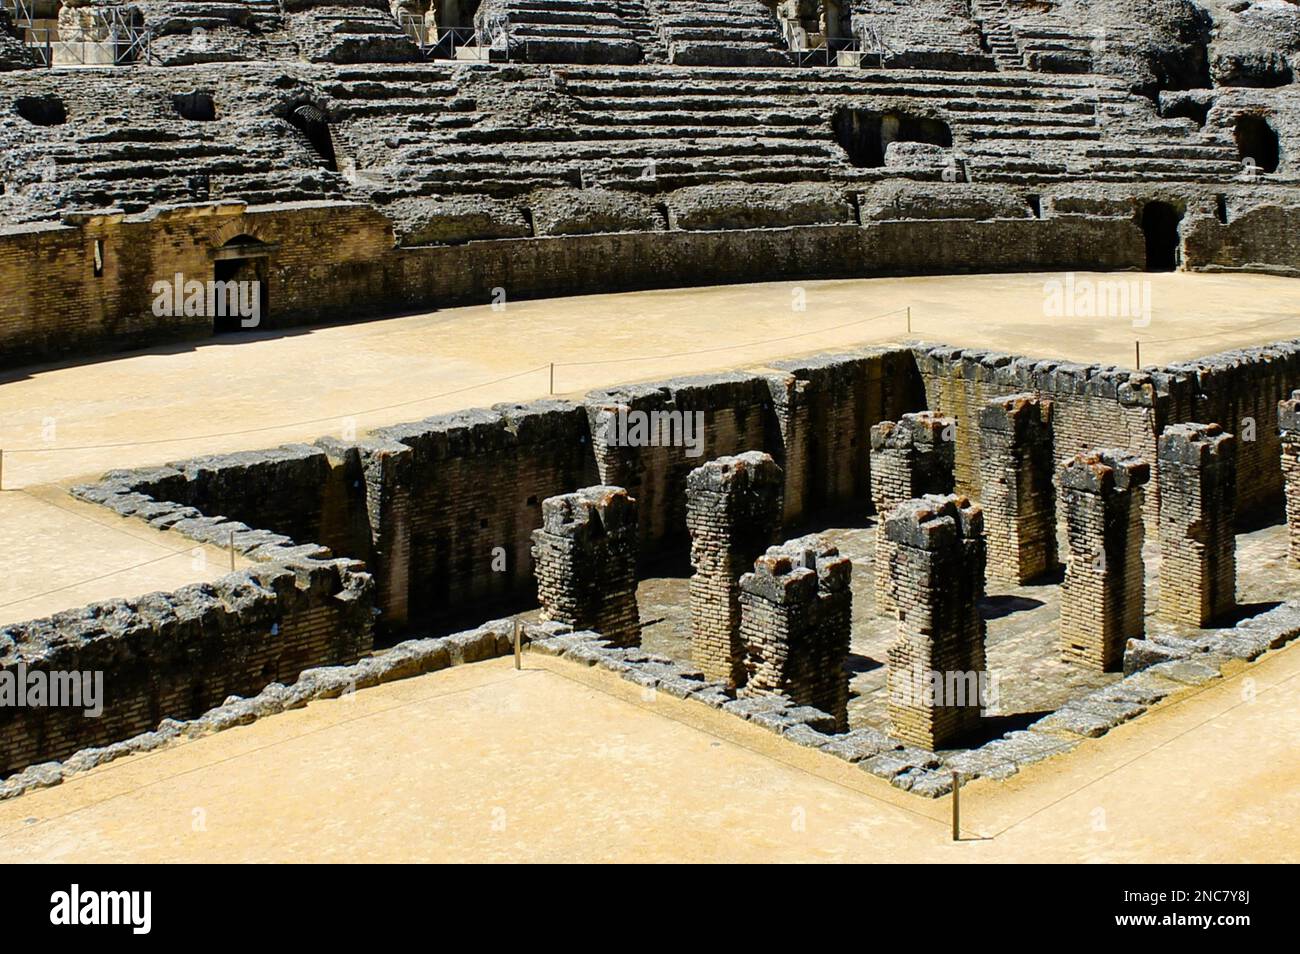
x: 1257, y: 142
x: 1160, y: 222
x: 42, y: 110
x: 195, y: 106
x: 238, y: 299
x: 1197, y: 110
x: 865, y: 134
x: 312, y: 123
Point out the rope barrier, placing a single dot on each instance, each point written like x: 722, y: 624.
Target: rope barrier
x: 432, y: 397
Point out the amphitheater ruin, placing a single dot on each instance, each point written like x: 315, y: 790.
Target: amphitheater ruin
x: 933, y: 560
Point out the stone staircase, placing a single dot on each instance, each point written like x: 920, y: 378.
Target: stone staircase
x: 654, y: 130
x: 570, y: 31
x: 441, y: 128
x: 719, y: 32
x: 994, y: 21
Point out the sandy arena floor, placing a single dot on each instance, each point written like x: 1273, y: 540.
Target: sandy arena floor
x: 61, y: 423
x: 564, y: 763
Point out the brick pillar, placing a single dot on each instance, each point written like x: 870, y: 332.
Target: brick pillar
x: 796, y: 611
x: 1017, y: 463
x: 733, y: 511
x: 1103, y: 596
x: 585, y: 561
x: 909, y: 458
x: 937, y: 661
x: 1288, y: 415
x: 1198, y: 546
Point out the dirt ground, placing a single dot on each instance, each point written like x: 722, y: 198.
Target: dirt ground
x: 563, y: 763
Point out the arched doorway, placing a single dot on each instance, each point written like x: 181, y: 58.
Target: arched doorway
x: 238, y: 296
x: 1160, y: 222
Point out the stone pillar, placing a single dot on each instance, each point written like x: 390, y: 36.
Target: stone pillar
x: 585, y: 560
x: 796, y: 612
x: 1288, y: 414
x: 1198, y: 545
x: 909, y: 458
x: 1103, y: 596
x: 936, y: 665
x: 1017, y: 464
x: 733, y: 511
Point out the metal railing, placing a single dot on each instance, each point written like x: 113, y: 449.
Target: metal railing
x: 124, y: 39
x: 843, y: 51
x: 452, y: 43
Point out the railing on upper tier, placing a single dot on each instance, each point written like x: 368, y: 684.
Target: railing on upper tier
x: 846, y: 51
x: 452, y: 43
x: 126, y: 39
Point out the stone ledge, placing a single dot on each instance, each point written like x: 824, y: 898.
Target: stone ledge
x: 410, y: 658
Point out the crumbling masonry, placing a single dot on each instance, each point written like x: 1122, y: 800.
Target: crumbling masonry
x: 1198, y: 547
x: 1017, y: 464
x: 936, y: 666
x: 909, y: 458
x: 1288, y: 414
x: 1103, y: 596
x: 796, y: 612
x: 585, y: 556
x: 733, y: 511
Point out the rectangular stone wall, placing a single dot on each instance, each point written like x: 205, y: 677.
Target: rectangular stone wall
x: 325, y: 256
x: 737, y: 417
x: 175, y: 655
x: 585, y: 556
x: 477, y: 482
x: 796, y: 626
x: 283, y: 490
x: 1091, y: 406
x: 1113, y: 407
x: 825, y: 408
x: 1288, y: 413
x: 1239, y: 391
x: 1017, y: 470
x: 1103, y: 596
x: 1198, y: 546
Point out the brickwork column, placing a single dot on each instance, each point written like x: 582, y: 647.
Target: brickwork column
x: 1017, y: 464
x: 585, y: 558
x: 1198, y: 543
x: 910, y: 457
x: 1103, y: 596
x: 796, y: 611
x: 1289, y: 426
x: 936, y: 665
x: 733, y: 512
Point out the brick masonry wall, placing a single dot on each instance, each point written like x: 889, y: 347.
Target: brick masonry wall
x: 937, y: 572
x: 734, y: 514
x: 796, y: 610
x: 174, y: 655
x: 1198, y: 546
x: 909, y: 458
x: 1113, y: 407
x: 326, y: 256
x: 825, y: 407
x: 1239, y: 391
x: 1017, y: 467
x: 737, y: 418
x: 477, y: 482
x: 1289, y: 429
x: 1103, y: 597
x: 585, y: 556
